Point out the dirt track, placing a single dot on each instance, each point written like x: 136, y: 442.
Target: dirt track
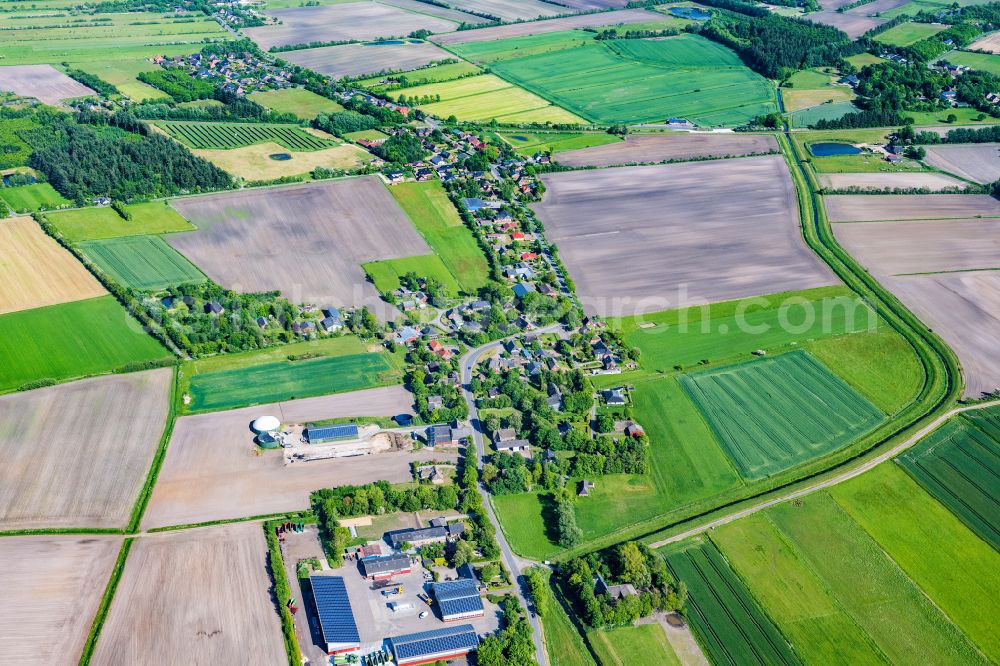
x: 638, y: 148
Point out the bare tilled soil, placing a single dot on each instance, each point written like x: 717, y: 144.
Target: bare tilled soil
x: 43, y: 82
x: 624, y: 17
x: 881, y: 181
x: 361, y: 59
x: 872, y: 207
x: 639, y: 148
x: 979, y: 162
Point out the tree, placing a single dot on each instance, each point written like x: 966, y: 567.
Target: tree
x: 538, y: 587
x: 605, y: 422
x: 569, y: 532
x: 462, y: 554
x: 632, y: 565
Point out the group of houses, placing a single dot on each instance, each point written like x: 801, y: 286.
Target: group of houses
x: 238, y: 72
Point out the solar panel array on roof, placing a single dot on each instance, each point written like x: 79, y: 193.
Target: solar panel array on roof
x: 333, y: 606
x: 458, y: 597
x: 436, y: 641
x: 342, y: 431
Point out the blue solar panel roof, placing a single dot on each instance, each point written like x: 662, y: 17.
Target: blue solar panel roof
x: 456, y: 597
x: 334, y: 608
x: 462, y: 637
x: 329, y: 432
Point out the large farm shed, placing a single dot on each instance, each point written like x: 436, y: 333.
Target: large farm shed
x: 429, y: 646
x: 334, y: 433
x: 336, y: 618
x: 386, y: 566
x: 458, y: 599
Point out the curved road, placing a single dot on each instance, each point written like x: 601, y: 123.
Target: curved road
x: 820, y: 485
x: 512, y: 562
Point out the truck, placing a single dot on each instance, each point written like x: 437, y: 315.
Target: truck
x: 397, y: 606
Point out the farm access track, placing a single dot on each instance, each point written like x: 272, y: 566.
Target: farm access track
x: 941, y: 387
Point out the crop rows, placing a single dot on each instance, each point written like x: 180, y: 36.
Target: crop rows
x: 730, y: 623
x: 142, y: 262
x: 225, y: 136
x: 960, y: 465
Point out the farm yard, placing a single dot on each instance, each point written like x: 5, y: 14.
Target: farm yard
x: 76, y: 455
x: 141, y: 262
x: 875, y: 208
x: 36, y: 271
x: 214, y: 471
x: 225, y: 136
x: 82, y: 224
x: 635, y: 80
x: 342, y: 22
x: 306, y: 241
x: 52, y: 588
x: 880, y: 181
x: 197, y: 596
x: 957, y: 464
x: 771, y: 414
x: 624, y: 17
x: 71, y: 340
x: 361, y: 59
x: 42, y: 82
x: 639, y: 148
x: 303, y: 103
x: 642, y: 258
x: 978, y: 162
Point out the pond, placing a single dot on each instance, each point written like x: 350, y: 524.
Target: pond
x: 691, y: 13
x: 386, y: 42
x: 280, y: 157
x: 829, y: 149
x: 518, y: 137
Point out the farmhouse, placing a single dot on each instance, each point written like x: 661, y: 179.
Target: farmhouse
x: 458, y: 599
x: 418, y: 536
x: 521, y: 446
x: 385, y: 566
x: 336, y: 618
x: 438, y: 644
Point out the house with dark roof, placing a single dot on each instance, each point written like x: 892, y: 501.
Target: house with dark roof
x: 385, y: 566
x: 418, y: 536
x: 435, y: 645
x: 583, y: 488
x: 458, y: 599
x: 336, y: 618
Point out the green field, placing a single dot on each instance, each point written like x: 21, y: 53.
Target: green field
x: 303, y: 103
x: 154, y: 217
x: 909, y: 33
x: 960, y: 464
x: 225, y: 136
x: 524, y: 521
x: 628, y: 646
x: 774, y: 413
x: 417, y: 77
x: 868, y: 585
x: 730, y: 626
x: 436, y: 219
x: 386, y: 273
x: 142, y: 262
x: 37, y: 196
x: 813, y: 114
x: 563, y: 643
x: 238, y: 380
x: 959, y: 571
x: 529, y: 142
x: 71, y: 340
x: 370, y: 135
x: 634, y: 80
x: 488, y: 52
x: 984, y: 62
x: 122, y: 73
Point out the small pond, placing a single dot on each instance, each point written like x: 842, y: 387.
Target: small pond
x: 691, y: 13
x: 519, y: 137
x: 829, y: 149
x: 387, y: 42
x: 280, y: 157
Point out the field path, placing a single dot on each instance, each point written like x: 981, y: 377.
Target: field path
x: 827, y: 483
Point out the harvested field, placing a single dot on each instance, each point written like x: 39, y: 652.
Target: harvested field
x: 928, y: 246
x: 194, y: 597
x: 588, y: 5
x: 890, y: 180
x: 510, y: 10
x: 36, y: 271
x: 865, y: 208
x: 990, y: 43
x: 256, y: 163
x: 852, y: 24
x: 435, y: 10
x: 626, y: 16
x: 979, y: 162
x: 964, y: 309
x: 660, y: 147
x: 877, y: 7
x: 733, y: 232
x: 307, y: 241
x: 42, y: 82
x: 213, y: 470
x: 342, y: 22
x: 76, y: 455
x: 362, y: 59
x: 52, y: 586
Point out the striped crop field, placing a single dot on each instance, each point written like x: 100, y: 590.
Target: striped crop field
x: 960, y: 465
x: 224, y: 136
x: 773, y: 413
x: 730, y: 625
x: 142, y: 262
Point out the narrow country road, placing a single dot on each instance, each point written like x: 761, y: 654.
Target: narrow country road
x: 511, y: 561
x: 827, y: 483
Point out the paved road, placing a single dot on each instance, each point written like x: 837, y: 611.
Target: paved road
x: 820, y: 485
x: 514, y: 564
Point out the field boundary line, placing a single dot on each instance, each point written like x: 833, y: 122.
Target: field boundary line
x: 105, y: 605
x: 142, y: 501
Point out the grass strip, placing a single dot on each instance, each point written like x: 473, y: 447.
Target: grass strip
x: 282, y: 591
x: 102, y: 610
x: 142, y: 501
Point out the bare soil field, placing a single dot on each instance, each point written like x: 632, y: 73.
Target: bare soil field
x: 873, y: 207
x: 875, y: 8
x: 879, y: 181
x: 360, y: 59
x: 510, y: 10
x: 44, y: 82
x: 588, y: 5
x: 342, y: 22
x: 255, y: 162
x: 52, y: 586
x: 434, y: 10
x: 990, y: 42
x: 35, y: 271
x: 625, y: 16
x: 979, y: 161
x: 659, y: 147
x: 194, y: 597
x: 307, y: 241
x: 927, y: 246
x: 76, y: 455
x: 964, y: 309
x: 833, y: 5
x: 643, y: 239
x: 852, y: 24
x: 213, y: 470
